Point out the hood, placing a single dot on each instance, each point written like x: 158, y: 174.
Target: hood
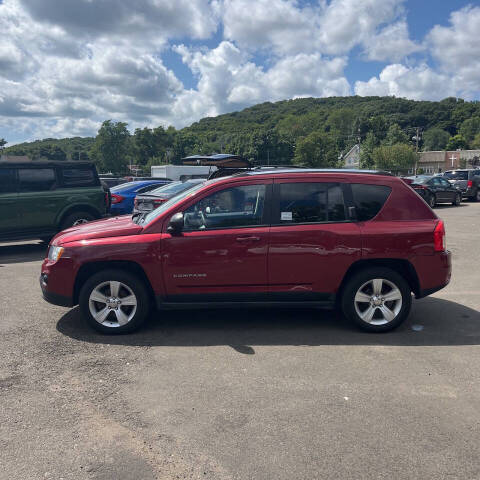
x: 110, y: 227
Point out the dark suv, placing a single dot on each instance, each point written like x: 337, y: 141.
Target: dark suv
x: 467, y: 181
x: 361, y: 240
x: 40, y: 198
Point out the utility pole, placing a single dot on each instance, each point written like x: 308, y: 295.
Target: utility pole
x: 416, y: 138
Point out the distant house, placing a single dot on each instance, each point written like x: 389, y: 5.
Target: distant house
x: 439, y: 161
x: 431, y: 162
x: 352, y: 157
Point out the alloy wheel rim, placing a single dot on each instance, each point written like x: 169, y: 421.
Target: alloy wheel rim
x: 378, y: 301
x: 432, y: 201
x: 112, y: 304
x: 80, y: 221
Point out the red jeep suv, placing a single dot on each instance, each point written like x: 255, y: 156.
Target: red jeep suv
x: 361, y: 240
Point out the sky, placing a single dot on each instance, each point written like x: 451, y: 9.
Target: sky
x: 67, y: 65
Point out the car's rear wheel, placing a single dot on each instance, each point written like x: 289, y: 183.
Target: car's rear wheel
x: 432, y: 201
x: 76, y: 218
x: 457, y: 200
x: 114, y: 302
x: 377, y: 299
x: 477, y: 196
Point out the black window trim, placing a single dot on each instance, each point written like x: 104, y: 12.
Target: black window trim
x: 266, y: 217
x: 275, y: 206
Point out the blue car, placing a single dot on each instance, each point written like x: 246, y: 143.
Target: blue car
x: 123, y: 195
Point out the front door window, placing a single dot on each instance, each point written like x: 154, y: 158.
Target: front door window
x: 233, y: 207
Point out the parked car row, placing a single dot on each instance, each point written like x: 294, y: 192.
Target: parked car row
x: 448, y: 187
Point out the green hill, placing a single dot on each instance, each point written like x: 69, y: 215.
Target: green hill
x: 277, y: 132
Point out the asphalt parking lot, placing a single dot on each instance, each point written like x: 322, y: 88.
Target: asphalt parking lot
x: 244, y: 394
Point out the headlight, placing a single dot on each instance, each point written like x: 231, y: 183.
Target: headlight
x: 54, y: 253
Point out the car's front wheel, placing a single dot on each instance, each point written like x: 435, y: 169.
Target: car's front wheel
x: 377, y: 299
x: 114, y: 302
x: 432, y: 201
x: 457, y: 200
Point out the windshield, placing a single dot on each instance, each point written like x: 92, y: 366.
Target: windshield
x: 194, y: 187
x: 172, y: 188
x: 421, y: 179
x: 456, y: 175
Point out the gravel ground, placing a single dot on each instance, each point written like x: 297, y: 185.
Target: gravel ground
x: 242, y: 394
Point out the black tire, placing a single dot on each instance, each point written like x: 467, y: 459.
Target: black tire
x: 476, y: 197
x: 76, y: 218
x: 457, y: 200
x: 111, y: 325
x: 360, y: 279
x: 432, y: 200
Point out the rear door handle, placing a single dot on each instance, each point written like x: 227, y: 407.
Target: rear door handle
x: 248, y: 239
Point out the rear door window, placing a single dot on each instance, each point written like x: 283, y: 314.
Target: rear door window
x: 369, y: 199
x: 78, y: 177
x: 311, y: 203
x: 8, y: 183
x: 36, y: 179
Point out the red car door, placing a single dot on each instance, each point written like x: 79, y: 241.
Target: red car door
x: 312, y: 240
x: 223, y: 247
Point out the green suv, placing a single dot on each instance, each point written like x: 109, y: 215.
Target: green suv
x: 40, y: 198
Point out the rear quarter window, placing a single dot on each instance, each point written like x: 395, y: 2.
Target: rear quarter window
x: 78, y: 177
x: 369, y: 199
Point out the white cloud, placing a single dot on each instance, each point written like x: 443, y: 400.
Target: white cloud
x: 457, y: 49
x: 288, y: 28
x: 419, y: 83
x: 391, y: 43
x: 228, y: 80
x: 126, y: 19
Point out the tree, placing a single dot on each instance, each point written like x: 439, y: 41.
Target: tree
x: 112, y: 146
x: 366, y: 150
x: 470, y: 128
x: 395, y: 135
x: 435, y: 139
x: 395, y: 158
x: 49, y: 151
x: 3, y: 142
x: 476, y: 141
x: 316, y: 150
x: 456, y: 142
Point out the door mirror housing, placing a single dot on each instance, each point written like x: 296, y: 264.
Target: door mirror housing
x: 176, y: 224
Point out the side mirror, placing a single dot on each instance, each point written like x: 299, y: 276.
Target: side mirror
x: 176, y: 224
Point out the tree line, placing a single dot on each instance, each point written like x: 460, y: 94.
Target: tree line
x: 315, y: 132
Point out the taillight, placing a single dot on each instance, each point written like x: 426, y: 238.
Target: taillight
x: 117, y: 198
x: 158, y: 202
x: 439, y: 241
x: 469, y: 184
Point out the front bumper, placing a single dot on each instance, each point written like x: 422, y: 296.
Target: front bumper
x: 54, y: 298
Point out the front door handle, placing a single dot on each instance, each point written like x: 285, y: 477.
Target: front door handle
x: 248, y: 239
